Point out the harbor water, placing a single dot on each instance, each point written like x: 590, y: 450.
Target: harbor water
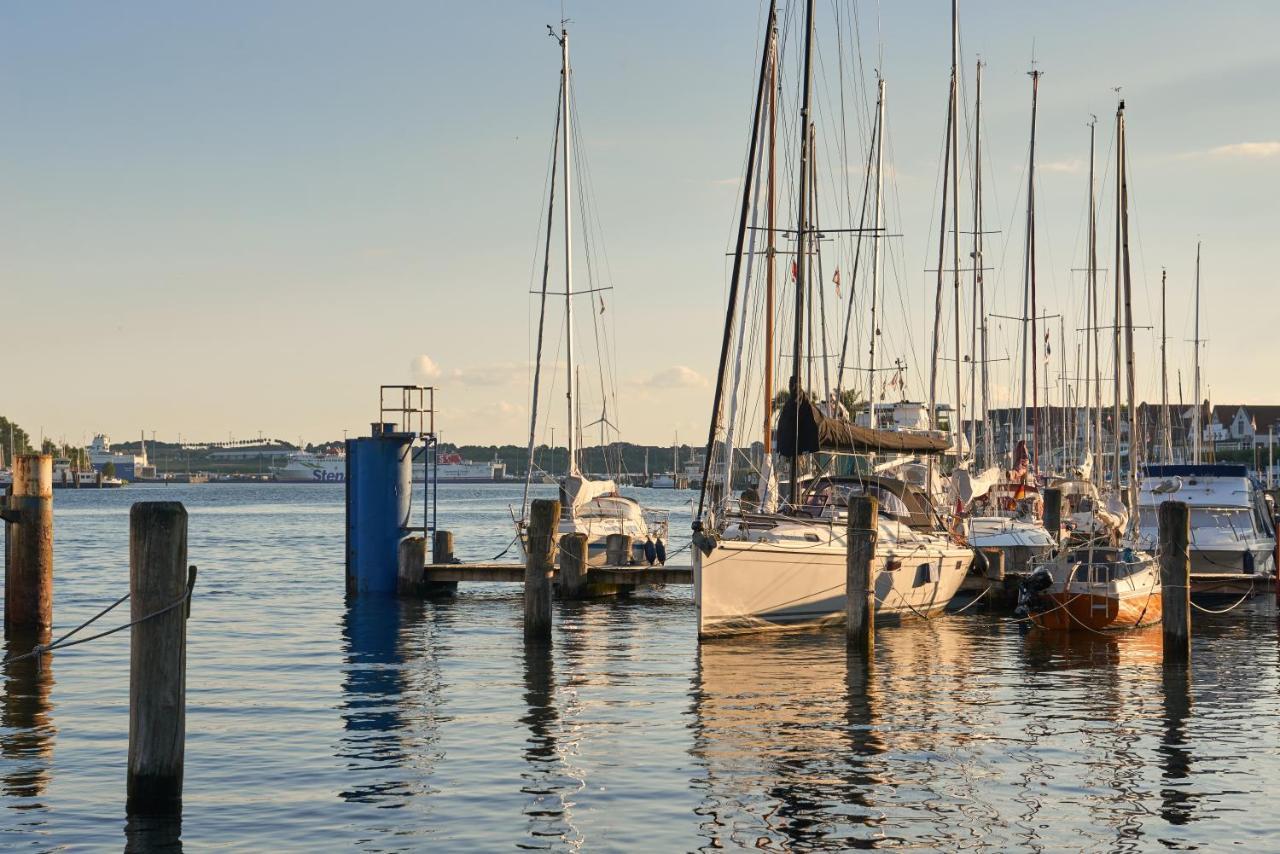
x: 389, y: 726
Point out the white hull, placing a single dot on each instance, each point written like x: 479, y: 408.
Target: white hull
x: 747, y: 586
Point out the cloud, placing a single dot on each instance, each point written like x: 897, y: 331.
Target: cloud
x: 499, y: 373
x: 423, y: 369
x: 1070, y: 166
x: 1247, y: 150
x: 677, y: 376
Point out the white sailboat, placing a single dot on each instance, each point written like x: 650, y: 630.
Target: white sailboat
x: 769, y: 562
x: 589, y: 506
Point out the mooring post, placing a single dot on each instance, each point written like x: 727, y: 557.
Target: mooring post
x: 573, y: 566
x: 1053, y: 512
x: 412, y: 559
x: 860, y: 613
x: 442, y: 547
x: 158, y: 579
x: 1175, y: 580
x: 544, y: 521
x: 28, y: 588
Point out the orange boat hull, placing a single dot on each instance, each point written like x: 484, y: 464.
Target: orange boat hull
x: 1083, y: 612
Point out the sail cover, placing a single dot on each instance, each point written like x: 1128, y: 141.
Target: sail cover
x: 805, y: 430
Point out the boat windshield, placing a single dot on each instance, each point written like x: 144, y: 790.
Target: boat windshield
x: 609, y: 507
x: 838, y: 495
x: 1236, y: 519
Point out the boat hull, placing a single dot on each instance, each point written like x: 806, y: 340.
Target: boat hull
x: 746, y: 587
x: 1093, y: 612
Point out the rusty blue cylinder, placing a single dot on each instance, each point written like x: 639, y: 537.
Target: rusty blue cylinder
x: 379, y: 483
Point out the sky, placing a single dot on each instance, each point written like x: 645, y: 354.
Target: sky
x: 221, y: 220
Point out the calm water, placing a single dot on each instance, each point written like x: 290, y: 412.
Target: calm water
x: 403, y: 726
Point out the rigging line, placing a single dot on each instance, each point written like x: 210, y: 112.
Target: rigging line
x: 542, y: 316
x: 862, y: 223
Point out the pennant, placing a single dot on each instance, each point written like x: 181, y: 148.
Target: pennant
x: 836, y: 279
x: 794, y: 271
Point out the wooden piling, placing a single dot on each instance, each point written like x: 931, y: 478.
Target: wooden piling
x: 860, y: 612
x: 28, y: 589
x: 157, y: 655
x: 411, y: 560
x: 1053, y: 512
x: 573, y: 566
x: 1175, y: 580
x: 995, y: 565
x: 617, y: 549
x: 442, y: 547
x: 544, y: 521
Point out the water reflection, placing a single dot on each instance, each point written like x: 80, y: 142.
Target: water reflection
x: 1177, y: 802
x: 389, y: 691
x: 786, y: 733
x: 153, y: 834
x: 549, y: 809
x: 27, y: 731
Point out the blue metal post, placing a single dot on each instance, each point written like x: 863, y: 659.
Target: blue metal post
x: 379, y: 483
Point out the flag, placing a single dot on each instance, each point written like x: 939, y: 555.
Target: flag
x: 1048, y: 348
x: 836, y: 279
x: 794, y: 271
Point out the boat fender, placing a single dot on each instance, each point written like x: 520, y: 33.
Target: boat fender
x: 650, y: 552
x: 1248, y: 563
x: 705, y: 543
x: 660, y: 549
x: 980, y: 563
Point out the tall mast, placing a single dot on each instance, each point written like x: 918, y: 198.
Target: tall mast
x: 956, y: 428
x: 542, y: 312
x: 875, y: 249
x: 979, y: 307
x: 1093, y: 306
x: 1166, y: 427
x: 942, y: 236
x: 1198, y: 437
x: 1116, y: 325
x: 570, y: 377
x: 1032, y: 350
x: 1135, y: 444
x: 770, y: 250
x: 797, y: 344
x: 735, y: 276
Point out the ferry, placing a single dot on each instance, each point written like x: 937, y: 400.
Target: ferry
x: 306, y: 467
x: 126, y: 466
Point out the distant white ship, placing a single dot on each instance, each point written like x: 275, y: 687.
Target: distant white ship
x: 125, y: 466
x: 306, y: 467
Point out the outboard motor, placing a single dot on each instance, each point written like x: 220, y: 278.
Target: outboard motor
x: 1029, y: 592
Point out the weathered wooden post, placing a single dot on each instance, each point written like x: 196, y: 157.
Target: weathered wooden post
x: 573, y: 566
x: 1053, y: 512
x: 617, y: 549
x: 412, y: 558
x: 860, y: 602
x: 442, y: 547
x: 1175, y: 579
x: 28, y: 587
x: 544, y: 521
x: 157, y: 655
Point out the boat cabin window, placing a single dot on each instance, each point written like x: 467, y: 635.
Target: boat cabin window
x: 838, y: 495
x: 1237, y: 519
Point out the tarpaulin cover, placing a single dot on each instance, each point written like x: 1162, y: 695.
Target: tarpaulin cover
x: 808, y: 431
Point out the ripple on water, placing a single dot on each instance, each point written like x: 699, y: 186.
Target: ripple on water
x: 398, y: 726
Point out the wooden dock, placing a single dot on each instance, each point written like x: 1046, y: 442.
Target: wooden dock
x: 513, y: 573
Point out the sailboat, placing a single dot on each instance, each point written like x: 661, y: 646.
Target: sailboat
x: 1233, y: 534
x: 1002, y: 510
x: 771, y: 563
x: 1099, y: 585
x: 593, y: 507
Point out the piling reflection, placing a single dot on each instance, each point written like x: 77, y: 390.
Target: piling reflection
x: 28, y: 729
x: 786, y: 734
x: 145, y: 834
x: 384, y: 657
x: 549, y: 809
x: 1177, y: 802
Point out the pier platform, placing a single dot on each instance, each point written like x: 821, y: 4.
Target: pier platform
x: 514, y: 573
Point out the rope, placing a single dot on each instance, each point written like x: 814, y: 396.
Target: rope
x: 1237, y: 604
x: 974, y: 602
x: 514, y: 540
x: 63, y: 642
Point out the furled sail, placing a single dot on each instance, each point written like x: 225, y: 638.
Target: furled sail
x: 805, y: 430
